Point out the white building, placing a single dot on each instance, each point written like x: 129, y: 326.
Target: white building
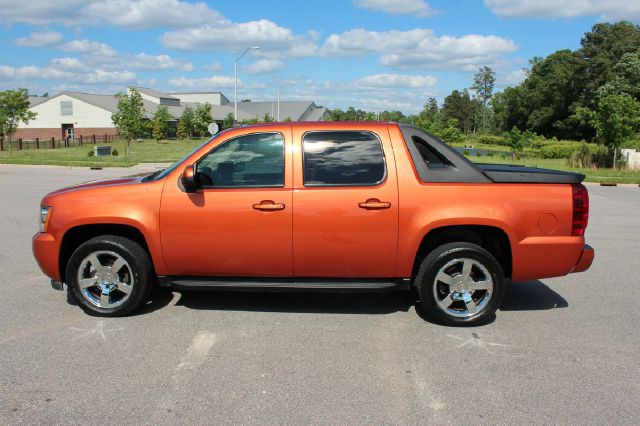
x: 71, y: 114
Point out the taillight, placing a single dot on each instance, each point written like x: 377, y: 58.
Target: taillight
x: 580, y: 210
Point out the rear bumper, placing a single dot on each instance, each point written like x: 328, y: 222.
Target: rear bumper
x: 535, y: 258
x: 586, y: 259
x: 45, y: 250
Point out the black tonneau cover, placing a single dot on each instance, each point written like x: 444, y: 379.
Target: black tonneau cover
x: 506, y: 173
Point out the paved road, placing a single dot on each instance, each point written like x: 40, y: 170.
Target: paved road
x: 564, y: 350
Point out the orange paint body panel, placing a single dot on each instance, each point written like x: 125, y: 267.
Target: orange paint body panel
x: 317, y: 231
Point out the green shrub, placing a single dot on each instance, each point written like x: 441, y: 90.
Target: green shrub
x: 478, y: 154
x: 493, y: 140
x: 490, y: 154
x: 581, y: 158
x: 465, y: 153
x: 91, y: 153
x: 115, y: 153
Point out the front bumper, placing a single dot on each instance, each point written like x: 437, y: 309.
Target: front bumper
x: 586, y: 259
x: 46, y: 250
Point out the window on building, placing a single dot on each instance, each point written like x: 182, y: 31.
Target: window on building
x: 344, y: 158
x: 66, y: 107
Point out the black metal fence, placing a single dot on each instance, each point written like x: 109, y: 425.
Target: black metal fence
x: 20, y: 144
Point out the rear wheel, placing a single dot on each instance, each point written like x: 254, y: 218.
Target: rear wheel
x: 459, y: 284
x: 109, y: 275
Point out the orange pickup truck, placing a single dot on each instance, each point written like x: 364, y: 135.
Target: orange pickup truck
x: 317, y: 206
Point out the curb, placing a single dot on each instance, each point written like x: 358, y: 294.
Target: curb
x: 622, y: 185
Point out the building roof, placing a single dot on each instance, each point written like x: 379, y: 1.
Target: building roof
x: 37, y: 100
x: 154, y: 93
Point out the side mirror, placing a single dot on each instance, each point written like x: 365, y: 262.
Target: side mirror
x: 188, y: 179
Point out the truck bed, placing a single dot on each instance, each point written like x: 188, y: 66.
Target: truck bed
x: 508, y: 173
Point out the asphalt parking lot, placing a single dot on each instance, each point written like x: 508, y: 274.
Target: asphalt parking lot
x: 563, y: 350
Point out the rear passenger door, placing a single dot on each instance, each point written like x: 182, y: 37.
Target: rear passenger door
x: 345, y: 203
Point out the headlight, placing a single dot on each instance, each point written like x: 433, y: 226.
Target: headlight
x: 45, y: 215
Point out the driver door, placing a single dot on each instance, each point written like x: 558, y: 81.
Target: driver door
x: 239, y: 222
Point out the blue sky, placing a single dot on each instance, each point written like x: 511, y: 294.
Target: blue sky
x: 371, y: 54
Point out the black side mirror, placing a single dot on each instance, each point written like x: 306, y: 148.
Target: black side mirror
x: 188, y: 179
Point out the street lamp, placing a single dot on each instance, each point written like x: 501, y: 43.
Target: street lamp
x: 285, y: 84
x: 235, y: 82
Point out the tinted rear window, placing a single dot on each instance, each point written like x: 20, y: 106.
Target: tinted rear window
x: 346, y: 158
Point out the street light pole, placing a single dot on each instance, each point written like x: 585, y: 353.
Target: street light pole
x: 285, y: 84
x: 235, y: 82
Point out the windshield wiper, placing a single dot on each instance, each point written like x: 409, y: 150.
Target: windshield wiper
x: 153, y: 175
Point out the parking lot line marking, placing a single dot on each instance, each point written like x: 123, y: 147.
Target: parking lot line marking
x: 198, y: 350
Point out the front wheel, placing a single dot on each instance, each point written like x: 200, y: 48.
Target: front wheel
x: 109, y: 275
x: 460, y: 284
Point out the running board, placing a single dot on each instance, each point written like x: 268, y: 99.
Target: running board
x: 282, y: 284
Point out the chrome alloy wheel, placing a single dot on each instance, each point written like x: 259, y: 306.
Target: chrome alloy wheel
x: 105, y: 279
x: 463, y: 287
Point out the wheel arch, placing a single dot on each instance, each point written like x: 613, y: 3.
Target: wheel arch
x: 492, y: 238
x: 75, y: 236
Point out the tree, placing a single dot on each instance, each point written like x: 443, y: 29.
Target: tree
x: 267, y: 118
x: 627, y: 77
x: 14, y: 109
x: 483, y: 83
x: 228, y: 121
x: 460, y: 107
x: 202, y: 118
x: 616, y: 119
x: 187, y: 118
x: 516, y: 141
x: 182, y: 132
x: 601, y: 49
x: 129, y: 119
x: 451, y: 133
x: 161, y: 122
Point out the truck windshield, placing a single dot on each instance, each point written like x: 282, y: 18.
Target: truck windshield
x: 160, y: 174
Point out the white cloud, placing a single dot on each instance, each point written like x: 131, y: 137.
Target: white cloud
x: 420, y: 48
x: 88, y: 46
x: 510, y: 78
x: 142, y: 61
x: 273, y: 39
x: 419, y: 8
x: 214, y: 67
x: 124, y: 13
x: 397, y: 81
x: 101, y: 54
x: 40, y: 39
x: 608, y: 10
x: 30, y: 73
x: 38, y: 11
x: 203, y: 83
x: 264, y: 66
x: 68, y: 64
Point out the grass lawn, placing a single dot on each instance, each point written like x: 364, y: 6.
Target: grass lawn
x: 149, y: 151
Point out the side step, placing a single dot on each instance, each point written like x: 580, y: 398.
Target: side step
x: 282, y: 284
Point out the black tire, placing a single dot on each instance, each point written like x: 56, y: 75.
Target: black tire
x: 139, y: 269
x: 432, y: 290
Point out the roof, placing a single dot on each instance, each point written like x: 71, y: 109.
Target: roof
x: 195, y: 93
x: 37, y: 100
x: 154, y: 93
